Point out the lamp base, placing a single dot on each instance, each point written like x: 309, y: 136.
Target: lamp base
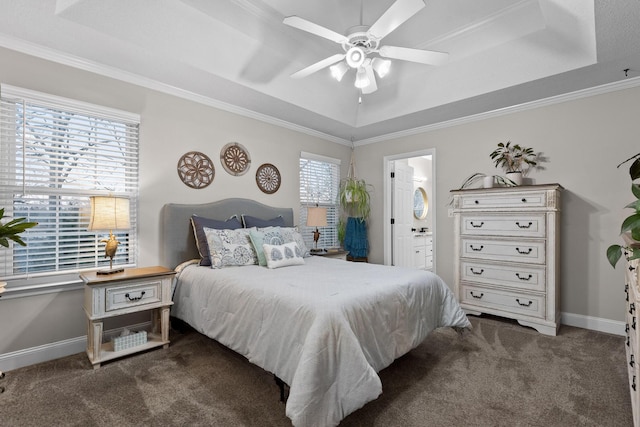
x: 316, y: 251
x: 110, y: 271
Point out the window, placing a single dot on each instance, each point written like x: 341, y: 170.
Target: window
x: 55, y: 153
x: 319, y: 183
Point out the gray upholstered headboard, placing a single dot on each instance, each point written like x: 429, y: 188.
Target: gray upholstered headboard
x: 176, y: 237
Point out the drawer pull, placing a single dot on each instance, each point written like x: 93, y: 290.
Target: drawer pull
x: 524, y: 200
x: 632, y: 307
x: 134, y: 298
x: 628, y: 339
x: 632, y: 362
x: 633, y: 384
x: 631, y: 268
x: 524, y: 226
x: 477, y: 272
x: 476, y: 249
x: 524, y: 304
x: 626, y: 328
x: 476, y: 202
x: 524, y: 252
x: 478, y: 225
x: 476, y: 296
x: 523, y: 278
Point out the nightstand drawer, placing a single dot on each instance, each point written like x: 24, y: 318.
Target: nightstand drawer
x: 133, y: 295
x: 504, y: 225
x: 531, y: 305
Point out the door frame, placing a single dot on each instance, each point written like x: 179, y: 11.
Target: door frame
x: 388, y: 206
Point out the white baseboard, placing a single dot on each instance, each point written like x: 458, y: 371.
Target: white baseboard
x: 56, y: 350
x: 593, y: 323
x: 43, y: 353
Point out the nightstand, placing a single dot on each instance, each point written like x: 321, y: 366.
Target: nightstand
x: 340, y: 254
x: 132, y: 291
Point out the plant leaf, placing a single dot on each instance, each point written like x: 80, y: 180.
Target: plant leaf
x: 614, y: 252
x: 634, y: 169
x: 630, y: 223
x: 635, y: 189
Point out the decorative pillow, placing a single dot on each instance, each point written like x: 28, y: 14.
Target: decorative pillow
x: 230, y: 247
x: 257, y: 239
x: 282, y: 255
x: 251, y: 221
x: 198, y: 224
x: 280, y: 235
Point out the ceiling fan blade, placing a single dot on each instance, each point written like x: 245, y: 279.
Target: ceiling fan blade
x: 430, y: 57
x: 372, y: 87
x: 318, y: 66
x: 397, y: 13
x: 310, y: 27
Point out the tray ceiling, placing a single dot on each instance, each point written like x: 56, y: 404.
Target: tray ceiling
x: 239, y: 55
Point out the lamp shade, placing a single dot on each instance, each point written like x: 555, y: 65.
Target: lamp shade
x: 109, y: 213
x: 316, y: 217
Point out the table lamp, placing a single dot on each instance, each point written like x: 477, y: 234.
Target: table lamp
x: 109, y: 213
x: 316, y: 217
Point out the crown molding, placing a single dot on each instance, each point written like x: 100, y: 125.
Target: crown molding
x: 571, y: 96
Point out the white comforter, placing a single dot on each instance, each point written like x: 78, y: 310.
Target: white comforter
x: 325, y: 328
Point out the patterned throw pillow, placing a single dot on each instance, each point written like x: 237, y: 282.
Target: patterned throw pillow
x: 281, y: 235
x: 282, y: 255
x: 198, y: 224
x: 230, y: 247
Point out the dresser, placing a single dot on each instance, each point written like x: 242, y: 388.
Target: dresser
x: 632, y: 301
x: 507, y: 253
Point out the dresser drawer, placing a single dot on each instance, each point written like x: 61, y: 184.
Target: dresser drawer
x: 133, y: 295
x: 504, y: 225
x: 529, y: 199
x: 514, y: 302
x: 504, y: 250
x: 517, y: 277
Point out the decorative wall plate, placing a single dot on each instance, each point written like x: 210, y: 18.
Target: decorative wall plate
x: 235, y: 159
x: 196, y: 169
x: 268, y: 178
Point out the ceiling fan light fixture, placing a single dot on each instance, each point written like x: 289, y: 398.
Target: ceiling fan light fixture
x: 339, y: 70
x: 355, y: 57
x: 381, y: 66
x: 362, y: 80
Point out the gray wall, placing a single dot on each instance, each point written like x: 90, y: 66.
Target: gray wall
x: 584, y: 140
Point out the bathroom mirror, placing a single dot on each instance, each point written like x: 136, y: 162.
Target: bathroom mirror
x: 420, y: 203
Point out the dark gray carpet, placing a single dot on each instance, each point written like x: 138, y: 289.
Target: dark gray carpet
x: 500, y: 374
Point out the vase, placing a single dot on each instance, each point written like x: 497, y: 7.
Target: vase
x: 515, y: 177
x: 487, y: 181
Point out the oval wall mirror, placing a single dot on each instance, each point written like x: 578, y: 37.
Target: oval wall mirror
x: 420, y: 203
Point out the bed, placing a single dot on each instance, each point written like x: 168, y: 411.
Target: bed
x: 325, y: 327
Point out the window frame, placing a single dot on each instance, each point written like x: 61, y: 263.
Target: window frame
x: 76, y: 195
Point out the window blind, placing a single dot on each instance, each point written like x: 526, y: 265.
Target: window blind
x: 55, y: 153
x: 319, y: 184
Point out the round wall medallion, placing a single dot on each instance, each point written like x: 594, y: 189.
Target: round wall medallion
x: 235, y: 159
x: 196, y: 169
x: 268, y: 178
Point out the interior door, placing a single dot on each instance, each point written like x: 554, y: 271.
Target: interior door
x: 402, y: 215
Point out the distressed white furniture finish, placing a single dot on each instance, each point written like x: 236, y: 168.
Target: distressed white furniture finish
x: 132, y: 291
x: 632, y: 288
x: 507, y: 253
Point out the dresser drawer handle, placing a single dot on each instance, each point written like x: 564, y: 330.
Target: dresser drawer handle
x: 632, y: 307
x: 476, y: 202
x: 524, y: 252
x: 626, y: 328
x: 476, y: 296
x: 134, y: 298
x: 524, y: 226
x: 477, y: 225
x: 523, y: 277
x: 632, y: 362
x: 631, y: 268
x: 476, y: 249
x: 633, y: 384
x: 524, y: 304
x: 524, y: 200
x: 628, y: 339
x: 477, y: 272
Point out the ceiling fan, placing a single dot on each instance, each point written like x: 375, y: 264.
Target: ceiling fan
x: 362, y: 49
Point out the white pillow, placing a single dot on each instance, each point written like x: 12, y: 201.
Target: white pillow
x: 230, y: 247
x: 282, y: 255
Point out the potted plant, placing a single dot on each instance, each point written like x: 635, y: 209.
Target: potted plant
x: 514, y: 159
x: 355, y: 200
x: 631, y: 224
x: 11, y: 230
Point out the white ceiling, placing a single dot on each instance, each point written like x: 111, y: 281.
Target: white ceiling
x: 237, y: 54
